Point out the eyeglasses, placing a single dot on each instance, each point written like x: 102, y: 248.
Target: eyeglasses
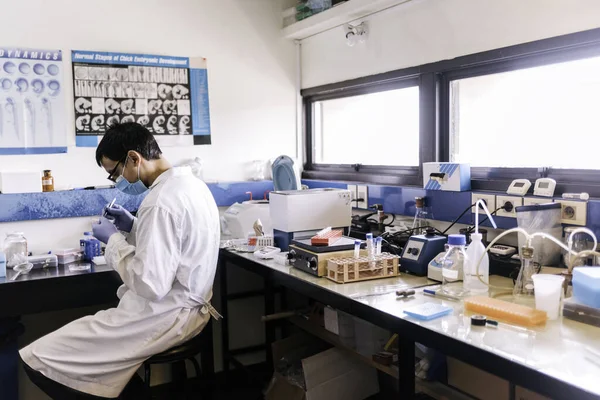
x: 111, y: 176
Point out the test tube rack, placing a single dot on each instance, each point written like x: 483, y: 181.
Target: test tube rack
x: 344, y: 270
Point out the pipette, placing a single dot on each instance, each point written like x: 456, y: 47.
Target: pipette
x: 112, y: 203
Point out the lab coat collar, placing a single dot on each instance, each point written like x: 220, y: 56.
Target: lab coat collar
x: 172, y: 172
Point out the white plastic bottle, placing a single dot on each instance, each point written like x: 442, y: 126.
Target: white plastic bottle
x: 475, y: 252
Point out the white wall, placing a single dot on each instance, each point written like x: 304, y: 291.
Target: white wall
x: 424, y: 31
x: 251, y: 72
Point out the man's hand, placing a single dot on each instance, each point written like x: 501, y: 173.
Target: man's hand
x: 103, y: 230
x: 123, y: 219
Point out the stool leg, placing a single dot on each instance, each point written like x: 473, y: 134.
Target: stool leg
x: 207, y: 355
x: 147, y: 373
x: 196, y: 367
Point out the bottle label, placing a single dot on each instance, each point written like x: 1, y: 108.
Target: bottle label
x: 450, y: 274
x: 47, y: 182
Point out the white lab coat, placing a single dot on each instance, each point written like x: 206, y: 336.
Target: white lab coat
x: 167, y: 264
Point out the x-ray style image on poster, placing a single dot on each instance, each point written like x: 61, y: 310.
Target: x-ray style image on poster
x: 168, y: 95
x: 32, y: 105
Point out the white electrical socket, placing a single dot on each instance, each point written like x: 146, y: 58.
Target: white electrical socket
x: 530, y: 201
x: 573, y: 212
x: 362, y: 192
x: 490, y: 201
x: 502, y: 200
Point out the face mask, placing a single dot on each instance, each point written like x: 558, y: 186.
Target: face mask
x: 134, y: 188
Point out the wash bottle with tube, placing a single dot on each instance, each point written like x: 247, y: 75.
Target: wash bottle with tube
x: 475, y: 251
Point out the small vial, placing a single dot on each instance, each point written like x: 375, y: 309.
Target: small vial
x: 356, y: 248
x: 48, y: 181
x: 370, y: 246
x: 378, y: 242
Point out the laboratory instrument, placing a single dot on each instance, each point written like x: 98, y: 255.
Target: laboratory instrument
x: 345, y: 270
x: 586, y: 286
x: 576, y: 196
x: 2, y: 265
x: 378, y: 243
x: 524, y: 283
x: 580, y: 242
x: 476, y: 254
x: 541, y: 218
x: 428, y: 311
x: 48, y: 181
x: 481, y: 320
x: 502, y: 250
x: 267, y: 253
x: 238, y: 220
x: 15, y: 248
x: 419, y: 251
x: 519, y: 187
x: 370, y: 246
x: 503, y: 310
x: 21, y: 269
x: 440, y: 294
x: 575, y: 310
x: 544, y: 187
x: 302, y: 213
x: 434, y: 269
x: 422, y: 218
x: 313, y: 259
x: 405, y: 293
x: 453, y: 266
x: 20, y: 182
x: 43, y: 261
x: 112, y: 203
x: 547, y: 289
x: 357, y: 244
x: 326, y: 237
x: 446, y: 176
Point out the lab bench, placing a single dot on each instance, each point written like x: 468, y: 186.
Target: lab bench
x: 549, y: 360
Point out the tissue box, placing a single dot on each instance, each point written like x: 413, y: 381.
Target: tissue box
x: 20, y: 182
x: 445, y: 176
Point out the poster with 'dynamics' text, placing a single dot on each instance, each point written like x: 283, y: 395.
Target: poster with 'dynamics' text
x: 32, y: 106
x: 168, y: 95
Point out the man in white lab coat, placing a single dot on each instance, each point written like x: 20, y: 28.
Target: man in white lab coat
x: 166, y: 257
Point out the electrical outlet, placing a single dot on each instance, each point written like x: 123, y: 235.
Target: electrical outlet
x: 362, y: 192
x: 573, y: 212
x: 514, y: 201
x: 490, y: 201
x: 530, y: 201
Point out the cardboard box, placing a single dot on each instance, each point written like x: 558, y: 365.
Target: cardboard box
x: 444, y: 176
x: 330, y: 374
x: 524, y: 394
x: 476, y: 382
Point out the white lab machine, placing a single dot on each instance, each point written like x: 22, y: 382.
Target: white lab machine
x: 519, y: 187
x: 301, y: 213
x: 544, y: 187
x: 237, y: 222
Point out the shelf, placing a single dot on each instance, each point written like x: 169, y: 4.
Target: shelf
x: 336, y: 16
x: 436, y: 390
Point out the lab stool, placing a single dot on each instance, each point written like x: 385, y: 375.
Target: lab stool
x: 201, y: 344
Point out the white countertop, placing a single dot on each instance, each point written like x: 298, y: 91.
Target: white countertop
x: 557, y: 349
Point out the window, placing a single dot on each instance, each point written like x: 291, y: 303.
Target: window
x: 380, y: 128
x: 544, y: 116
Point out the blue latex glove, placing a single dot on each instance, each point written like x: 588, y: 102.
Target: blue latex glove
x: 104, y: 230
x: 123, y: 219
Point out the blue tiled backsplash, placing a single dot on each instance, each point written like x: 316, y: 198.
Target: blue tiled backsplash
x: 446, y: 206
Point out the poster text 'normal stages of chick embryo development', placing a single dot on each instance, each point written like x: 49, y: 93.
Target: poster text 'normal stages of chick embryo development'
x: 32, y: 106
x: 168, y: 95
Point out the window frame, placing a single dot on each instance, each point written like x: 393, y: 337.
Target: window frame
x: 434, y: 113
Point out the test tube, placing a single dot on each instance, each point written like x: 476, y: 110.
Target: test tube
x: 356, y: 248
x: 378, y: 241
x: 370, y: 246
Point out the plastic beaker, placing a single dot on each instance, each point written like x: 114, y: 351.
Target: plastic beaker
x: 547, y: 293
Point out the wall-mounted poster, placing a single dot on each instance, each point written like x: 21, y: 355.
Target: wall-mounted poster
x: 32, y: 105
x: 168, y: 95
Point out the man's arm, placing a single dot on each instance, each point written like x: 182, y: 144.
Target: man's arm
x: 149, y: 267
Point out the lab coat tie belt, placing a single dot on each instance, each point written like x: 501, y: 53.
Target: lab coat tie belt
x: 207, y: 308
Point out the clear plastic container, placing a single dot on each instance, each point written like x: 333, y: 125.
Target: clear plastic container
x: 548, y: 293
x: 475, y: 252
x: 453, y: 265
x: 15, y: 248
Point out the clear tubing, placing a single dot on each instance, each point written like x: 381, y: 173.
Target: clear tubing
x: 481, y: 203
x: 570, y: 245
x: 529, y: 237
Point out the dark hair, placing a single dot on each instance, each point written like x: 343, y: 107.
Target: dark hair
x: 119, y: 139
